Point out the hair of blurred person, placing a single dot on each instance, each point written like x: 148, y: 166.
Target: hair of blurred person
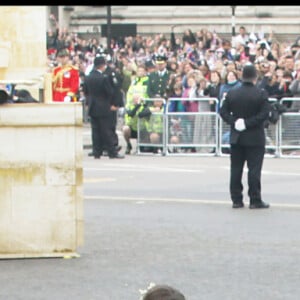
x: 163, y: 292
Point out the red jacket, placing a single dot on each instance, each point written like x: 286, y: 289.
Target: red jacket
x: 65, y: 82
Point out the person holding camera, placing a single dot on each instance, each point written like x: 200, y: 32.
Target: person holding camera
x: 136, y: 92
x: 246, y: 109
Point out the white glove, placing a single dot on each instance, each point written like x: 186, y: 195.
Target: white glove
x: 239, y: 125
x: 67, y: 99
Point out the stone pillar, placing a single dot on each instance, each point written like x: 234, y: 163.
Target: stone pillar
x: 23, y: 50
x: 41, y: 180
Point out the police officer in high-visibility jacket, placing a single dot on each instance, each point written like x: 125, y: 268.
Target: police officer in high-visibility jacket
x: 65, y: 79
x: 136, y: 92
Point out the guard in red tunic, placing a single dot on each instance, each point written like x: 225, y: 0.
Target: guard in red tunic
x: 65, y: 79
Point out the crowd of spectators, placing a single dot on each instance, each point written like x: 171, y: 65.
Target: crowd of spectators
x: 219, y: 61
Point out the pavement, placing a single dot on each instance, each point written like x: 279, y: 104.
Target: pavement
x: 166, y: 219
x: 87, y: 141
x: 86, y: 135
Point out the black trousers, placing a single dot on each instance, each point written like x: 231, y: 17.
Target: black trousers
x: 102, y: 136
x: 254, y: 156
x: 114, y: 120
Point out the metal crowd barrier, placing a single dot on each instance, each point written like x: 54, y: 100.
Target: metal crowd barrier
x: 271, y: 132
x: 204, y: 133
x: 151, y: 130
x: 289, y: 129
x: 192, y: 132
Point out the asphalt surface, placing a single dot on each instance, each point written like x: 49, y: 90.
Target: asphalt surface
x: 169, y: 220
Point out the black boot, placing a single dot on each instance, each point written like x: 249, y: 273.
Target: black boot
x: 129, y: 148
x: 259, y: 204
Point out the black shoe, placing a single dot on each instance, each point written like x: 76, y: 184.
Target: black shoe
x: 97, y: 156
x: 91, y: 154
x: 117, y: 156
x: 260, y: 204
x: 128, y: 149
x: 238, y: 205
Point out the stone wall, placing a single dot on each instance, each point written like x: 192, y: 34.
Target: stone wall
x: 283, y: 20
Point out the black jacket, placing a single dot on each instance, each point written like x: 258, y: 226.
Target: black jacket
x: 98, y: 92
x: 250, y: 103
x: 115, y: 80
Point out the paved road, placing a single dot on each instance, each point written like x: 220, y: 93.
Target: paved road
x: 169, y: 220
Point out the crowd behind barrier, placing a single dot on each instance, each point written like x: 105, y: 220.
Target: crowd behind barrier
x: 199, y: 64
x: 203, y: 133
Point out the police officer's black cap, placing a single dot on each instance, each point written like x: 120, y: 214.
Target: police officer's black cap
x: 99, y: 61
x: 159, y: 59
x: 249, y: 73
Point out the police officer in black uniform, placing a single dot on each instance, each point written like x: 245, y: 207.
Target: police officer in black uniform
x: 246, y: 109
x: 98, y: 92
x: 115, y: 79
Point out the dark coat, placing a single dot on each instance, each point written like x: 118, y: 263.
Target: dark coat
x: 98, y: 92
x: 115, y: 80
x: 250, y: 103
x: 158, y: 85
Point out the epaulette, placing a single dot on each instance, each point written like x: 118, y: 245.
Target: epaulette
x: 72, y: 66
x: 75, y: 67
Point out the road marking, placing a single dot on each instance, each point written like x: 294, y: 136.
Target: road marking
x: 88, y: 180
x: 265, y: 172
x: 142, y: 169
x: 135, y: 168
x: 139, y: 200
